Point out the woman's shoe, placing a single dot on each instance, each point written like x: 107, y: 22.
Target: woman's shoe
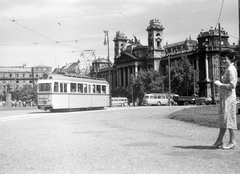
x: 217, y: 145
x: 230, y: 146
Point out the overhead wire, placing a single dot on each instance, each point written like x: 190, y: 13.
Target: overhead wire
x: 54, y: 41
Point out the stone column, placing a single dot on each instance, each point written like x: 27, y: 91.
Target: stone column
x: 197, y: 64
x: 120, y: 77
x: 128, y: 75
x: 136, y: 69
x: 124, y: 76
x: 117, y: 77
x: 206, y: 64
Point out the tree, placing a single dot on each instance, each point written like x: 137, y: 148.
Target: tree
x: 183, y: 77
x: 146, y: 81
x: 28, y: 92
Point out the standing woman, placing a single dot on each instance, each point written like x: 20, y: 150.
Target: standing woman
x: 227, y: 108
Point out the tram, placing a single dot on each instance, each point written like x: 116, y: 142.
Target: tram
x: 71, y: 92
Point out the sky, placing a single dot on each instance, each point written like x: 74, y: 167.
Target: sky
x: 57, y: 32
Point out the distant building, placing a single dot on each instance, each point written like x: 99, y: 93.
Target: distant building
x: 130, y: 56
x: 18, y: 76
x: 74, y: 67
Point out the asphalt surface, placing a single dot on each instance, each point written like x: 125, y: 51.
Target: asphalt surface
x: 116, y: 140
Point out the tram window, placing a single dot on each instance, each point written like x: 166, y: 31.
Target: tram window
x: 89, y: 89
x: 80, y: 88
x: 56, y: 87
x: 99, y: 89
x: 94, y: 88
x: 73, y: 87
x: 61, y: 87
x: 45, y: 87
x: 85, y: 88
x: 104, y: 89
x: 65, y: 87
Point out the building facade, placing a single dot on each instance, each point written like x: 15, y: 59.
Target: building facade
x: 18, y: 76
x: 131, y: 56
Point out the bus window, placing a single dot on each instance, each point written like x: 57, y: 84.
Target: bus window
x: 151, y: 97
x: 65, y: 87
x: 56, y: 87
x: 155, y: 96
x: 104, y: 89
x: 73, y: 87
x: 99, y: 89
x: 85, y: 88
x: 44, y: 87
x: 61, y: 87
x: 146, y: 97
x: 80, y: 88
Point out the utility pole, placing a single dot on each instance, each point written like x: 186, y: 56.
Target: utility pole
x: 169, y: 78
x: 106, y: 41
x: 220, y: 49
x: 33, y: 76
x: 239, y: 26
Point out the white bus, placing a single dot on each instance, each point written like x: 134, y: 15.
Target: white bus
x: 158, y: 99
x: 119, y: 101
x: 60, y: 92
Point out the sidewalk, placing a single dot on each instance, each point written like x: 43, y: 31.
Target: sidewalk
x: 17, y: 108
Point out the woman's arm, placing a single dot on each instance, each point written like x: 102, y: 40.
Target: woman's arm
x: 232, y: 75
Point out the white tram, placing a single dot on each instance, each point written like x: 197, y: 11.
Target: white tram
x: 61, y: 92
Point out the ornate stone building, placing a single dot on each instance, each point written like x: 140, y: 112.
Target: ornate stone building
x: 131, y: 56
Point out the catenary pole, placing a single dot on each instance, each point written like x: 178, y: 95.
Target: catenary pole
x: 220, y: 49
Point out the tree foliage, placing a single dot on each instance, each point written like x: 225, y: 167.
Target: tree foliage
x: 146, y: 81
x: 183, y: 77
x: 28, y: 92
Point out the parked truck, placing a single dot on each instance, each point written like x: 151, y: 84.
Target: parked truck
x: 192, y: 100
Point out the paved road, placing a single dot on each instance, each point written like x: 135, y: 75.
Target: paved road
x: 117, y: 140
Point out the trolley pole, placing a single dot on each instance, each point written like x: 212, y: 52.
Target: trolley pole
x: 106, y: 41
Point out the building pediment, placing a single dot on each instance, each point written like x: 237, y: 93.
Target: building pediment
x: 125, y: 57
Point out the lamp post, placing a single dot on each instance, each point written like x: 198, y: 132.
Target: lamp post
x: 169, y: 78
x: 132, y: 88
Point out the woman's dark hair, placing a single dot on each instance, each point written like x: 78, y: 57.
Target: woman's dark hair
x: 229, y: 53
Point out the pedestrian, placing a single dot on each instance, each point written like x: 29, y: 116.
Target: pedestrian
x: 227, y: 108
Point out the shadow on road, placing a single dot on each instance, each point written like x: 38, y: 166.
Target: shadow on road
x: 200, y: 147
